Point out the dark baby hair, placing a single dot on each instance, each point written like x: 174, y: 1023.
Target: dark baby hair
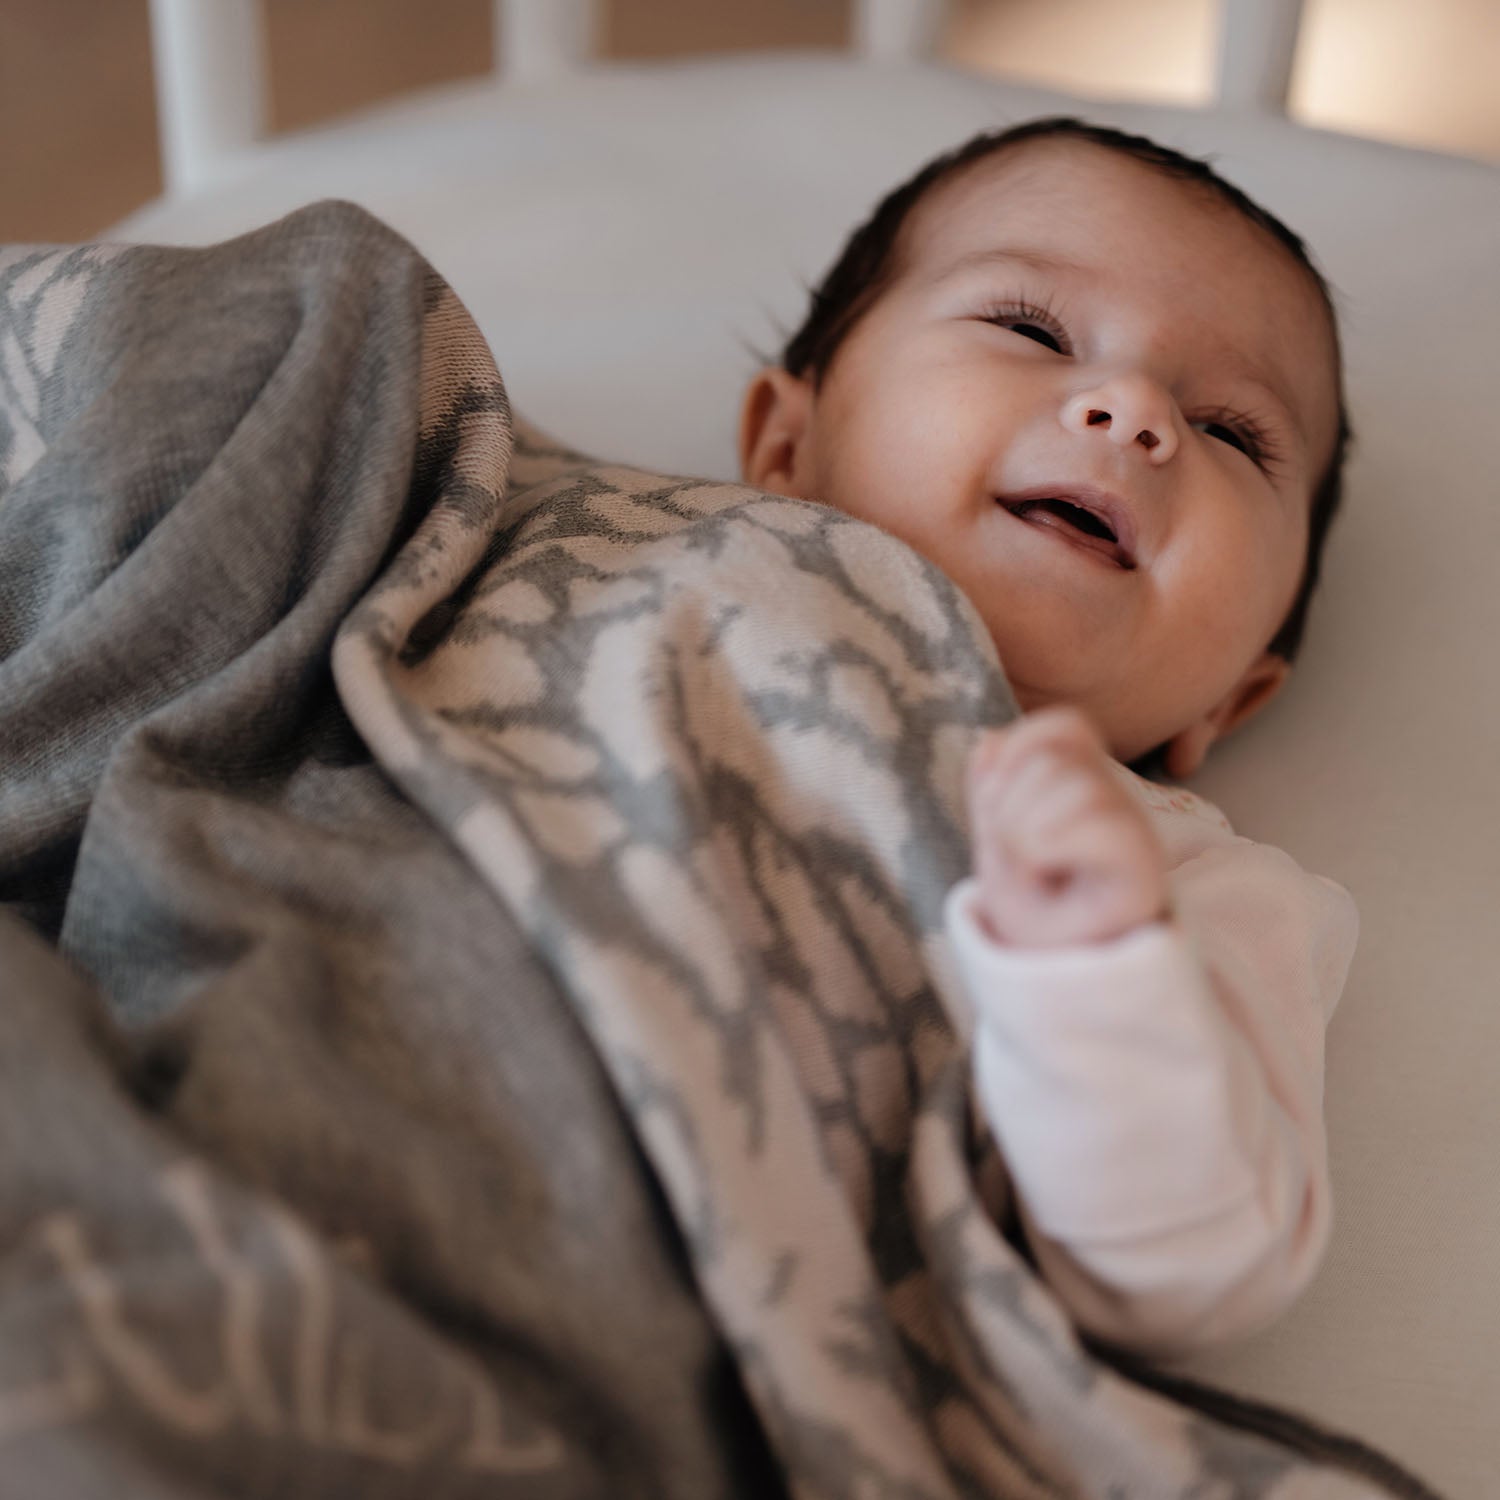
x: 868, y: 265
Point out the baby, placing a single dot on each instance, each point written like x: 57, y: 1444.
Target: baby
x: 1102, y: 390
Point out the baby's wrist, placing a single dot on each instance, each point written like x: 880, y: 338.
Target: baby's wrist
x: 1054, y: 930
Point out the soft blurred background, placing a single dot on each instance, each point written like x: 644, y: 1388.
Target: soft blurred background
x: 78, y: 127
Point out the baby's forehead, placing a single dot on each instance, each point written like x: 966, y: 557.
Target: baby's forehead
x: 1078, y: 191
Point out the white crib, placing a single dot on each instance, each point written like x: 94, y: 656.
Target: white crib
x: 210, y: 61
x: 715, y: 190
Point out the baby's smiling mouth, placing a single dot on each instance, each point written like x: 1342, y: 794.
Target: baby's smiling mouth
x: 1090, y: 519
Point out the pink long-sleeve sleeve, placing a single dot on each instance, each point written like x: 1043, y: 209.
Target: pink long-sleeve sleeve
x: 1159, y: 1097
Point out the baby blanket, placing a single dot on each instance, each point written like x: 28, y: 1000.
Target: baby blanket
x: 470, y: 967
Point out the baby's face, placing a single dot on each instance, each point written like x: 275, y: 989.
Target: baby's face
x: 1069, y: 322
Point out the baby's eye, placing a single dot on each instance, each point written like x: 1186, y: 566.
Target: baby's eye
x: 1242, y: 436
x: 1030, y: 321
x: 1228, y: 435
x: 1040, y: 335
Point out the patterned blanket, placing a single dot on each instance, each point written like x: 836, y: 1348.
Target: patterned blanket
x: 470, y: 962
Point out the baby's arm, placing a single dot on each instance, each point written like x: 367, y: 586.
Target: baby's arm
x: 1148, y: 1042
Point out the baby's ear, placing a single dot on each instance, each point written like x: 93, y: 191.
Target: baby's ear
x: 776, y: 432
x: 1261, y: 682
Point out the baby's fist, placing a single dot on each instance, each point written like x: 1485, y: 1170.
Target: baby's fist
x: 1063, y: 854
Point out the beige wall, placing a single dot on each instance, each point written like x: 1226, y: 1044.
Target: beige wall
x: 77, y: 120
x: 329, y: 56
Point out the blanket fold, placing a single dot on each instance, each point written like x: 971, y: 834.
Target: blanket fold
x: 471, y: 966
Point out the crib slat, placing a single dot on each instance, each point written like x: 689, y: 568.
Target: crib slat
x: 542, y: 38
x: 1257, y: 48
x: 208, y: 57
x: 895, y: 29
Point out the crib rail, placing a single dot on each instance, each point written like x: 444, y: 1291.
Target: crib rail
x: 210, y: 64
x: 209, y: 61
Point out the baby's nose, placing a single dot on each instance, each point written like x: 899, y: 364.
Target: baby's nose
x: 1129, y: 409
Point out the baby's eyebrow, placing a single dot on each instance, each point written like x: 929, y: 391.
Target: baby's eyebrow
x: 1041, y: 260
x: 1259, y: 380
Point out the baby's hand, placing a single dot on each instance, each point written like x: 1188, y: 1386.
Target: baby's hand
x: 1062, y: 852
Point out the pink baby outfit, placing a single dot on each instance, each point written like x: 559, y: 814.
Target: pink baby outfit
x: 1159, y: 1097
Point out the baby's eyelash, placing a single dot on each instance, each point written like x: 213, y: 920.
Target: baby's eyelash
x: 1259, y: 446
x: 1023, y: 312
